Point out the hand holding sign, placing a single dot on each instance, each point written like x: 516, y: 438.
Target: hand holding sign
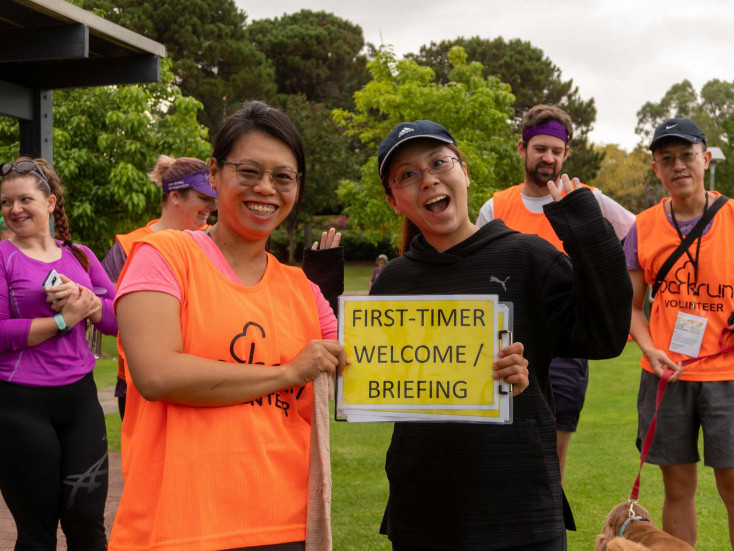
x: 512, y: 367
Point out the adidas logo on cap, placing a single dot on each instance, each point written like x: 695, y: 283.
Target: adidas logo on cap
x: 404, y: 131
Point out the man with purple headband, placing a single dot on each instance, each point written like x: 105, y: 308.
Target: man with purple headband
x: 546, y: 131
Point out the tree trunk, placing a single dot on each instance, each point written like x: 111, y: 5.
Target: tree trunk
x: 291, y: 246
x: 308, y: 234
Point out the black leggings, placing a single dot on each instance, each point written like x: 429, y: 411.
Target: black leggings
x: 53, y: 464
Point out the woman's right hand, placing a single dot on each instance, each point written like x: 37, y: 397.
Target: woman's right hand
x: 317, y: 356
x: 567, y: 184
x: 329, y: 240
x: 79, y: 306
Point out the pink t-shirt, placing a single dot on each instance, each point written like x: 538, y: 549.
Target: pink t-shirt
x: 151, y: 272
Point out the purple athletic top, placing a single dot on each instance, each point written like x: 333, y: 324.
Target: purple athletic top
x: 630, y: 242
x: 60, y: 360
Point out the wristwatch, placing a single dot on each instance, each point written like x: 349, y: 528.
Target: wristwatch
x: 61, y: 324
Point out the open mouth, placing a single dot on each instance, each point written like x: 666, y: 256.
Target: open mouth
x: 437, y: 204
x: 261, y: 208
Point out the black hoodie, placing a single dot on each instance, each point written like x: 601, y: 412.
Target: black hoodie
x: 465, y: 486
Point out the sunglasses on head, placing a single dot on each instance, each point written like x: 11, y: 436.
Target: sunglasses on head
x: 24, y: 167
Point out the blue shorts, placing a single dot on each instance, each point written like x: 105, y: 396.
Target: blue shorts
x: 569, y: 379
x: 686, y: 408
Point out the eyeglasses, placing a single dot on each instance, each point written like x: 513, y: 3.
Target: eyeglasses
x: 412, y: 176
x: 24, y: 167
x: 250, y: 174
x: 668, y: 161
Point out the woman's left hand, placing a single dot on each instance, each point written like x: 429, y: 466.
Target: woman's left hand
x: 512, y: 367
x: 329, y: 240
x: 59, y: 295
x: 568, y: 185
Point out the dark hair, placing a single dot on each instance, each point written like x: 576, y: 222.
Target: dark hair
x: 254, y: 116
x: 61, y: 223
x: 167, y: 169
x: 409, y: 230
x: 543, y: 113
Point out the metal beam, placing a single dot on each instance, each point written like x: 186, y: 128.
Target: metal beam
x: 85, y: 72
x: 36, y: 135
x: 66, y: 12
x: 16, y: 101
x: 45, y: 43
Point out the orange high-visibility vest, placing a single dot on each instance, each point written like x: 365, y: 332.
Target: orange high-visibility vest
x: 201, y: 478
x: 711, y: 296
x: 508, y: 205
x: 126, y: 241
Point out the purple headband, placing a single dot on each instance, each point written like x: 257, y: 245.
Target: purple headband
x: 547, y: 128
x: 198, y: 180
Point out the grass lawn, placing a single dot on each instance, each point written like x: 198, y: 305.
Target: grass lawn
x: 601, y: 466
x: 357, y: 276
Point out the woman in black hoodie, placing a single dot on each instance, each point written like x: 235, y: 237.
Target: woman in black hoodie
x: 465, y: 486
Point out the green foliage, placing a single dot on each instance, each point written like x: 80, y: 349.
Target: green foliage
x: 534, y: 79
x: 105, y: 141
x: 330, y: 157
x: 205, y: 39
x: 628, y: 178
x: 712, y: 110
x: 316, y: 54
x: 474, y: 108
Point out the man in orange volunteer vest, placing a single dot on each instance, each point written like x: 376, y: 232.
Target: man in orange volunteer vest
x: 691, y: 325
x: 546, y: 131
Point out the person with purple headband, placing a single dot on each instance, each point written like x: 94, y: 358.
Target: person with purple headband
x: 53, y: 440
x: 186, y: 204
x: 546, y: 133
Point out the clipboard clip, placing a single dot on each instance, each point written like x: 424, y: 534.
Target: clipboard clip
x: 505, y: 338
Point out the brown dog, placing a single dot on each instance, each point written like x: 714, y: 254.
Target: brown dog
x: 639, y: 535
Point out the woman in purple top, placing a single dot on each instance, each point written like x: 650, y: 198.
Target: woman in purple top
x: 53, y: 442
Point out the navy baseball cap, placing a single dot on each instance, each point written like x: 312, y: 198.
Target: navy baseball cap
x: 683, y: 129
x: 408, y: 131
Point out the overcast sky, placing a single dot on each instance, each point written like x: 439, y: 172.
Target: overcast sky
x: 622, y: 53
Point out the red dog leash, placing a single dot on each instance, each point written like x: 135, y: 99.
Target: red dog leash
x: 661, y: 390
x: 650, y: 432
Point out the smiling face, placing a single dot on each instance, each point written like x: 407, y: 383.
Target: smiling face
x: 544, y: 157
x: 253, y: 212
x: 437, y: 203
x: 195, y: 209
x: 680, y: 166
x: 25, y: 207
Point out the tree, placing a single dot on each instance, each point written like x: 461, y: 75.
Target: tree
x: 712, y: 110
x: 330, y: 157
x: 106, y: 139
x: 212, y: 59
x: 474, y: 108
x: 534, y: 79
x: 316, y: 54
x: 628, y: 178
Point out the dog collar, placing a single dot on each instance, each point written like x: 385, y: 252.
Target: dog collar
x: 628, y: 522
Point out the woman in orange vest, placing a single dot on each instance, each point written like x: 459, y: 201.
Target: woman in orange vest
x: 225, y: 439
x: 186, y: 204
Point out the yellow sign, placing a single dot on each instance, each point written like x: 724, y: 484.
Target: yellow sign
x: 424, y: 353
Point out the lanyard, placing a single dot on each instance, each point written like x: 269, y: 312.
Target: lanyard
x: 698, y: 241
